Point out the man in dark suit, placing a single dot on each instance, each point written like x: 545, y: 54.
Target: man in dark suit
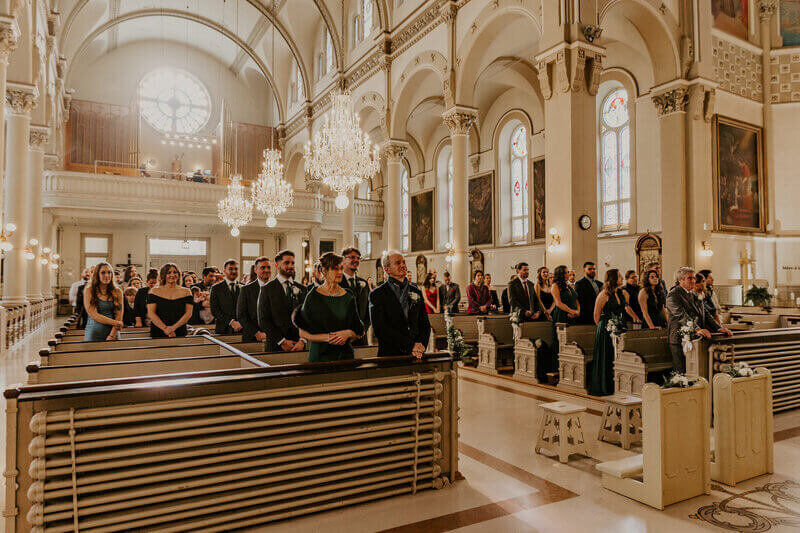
x: 208, y: 281
x: 449, y: 294
x: 522, y: 295
x: 588, y: 288
x: 223, y: 300
x: 247, y: 305
x: 683, y: 306
x: 397, y: 311
x: 276, y: 303
x: 358, y: 286
x: 140, y: 302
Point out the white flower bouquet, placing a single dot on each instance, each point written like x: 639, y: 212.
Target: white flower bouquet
x: 538, y: 343
x: 295, y: 290
x: 414, y: 297
x: 739, y: 370
x: 677, y: 380
x: 615, y: 326
x: 686, y: 330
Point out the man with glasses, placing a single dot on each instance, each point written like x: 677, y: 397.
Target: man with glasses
x: 358, y: 286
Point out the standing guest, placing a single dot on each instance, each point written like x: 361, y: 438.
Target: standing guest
x: 358, y: 286
x: 328, y: 317
x: 247, y: 305
x: 140, y: 304
x: 129, y: 313
x: 410, y: 278
x: 433, y: 272
x: 80, y: 308
x: 588, y: 288
x: 566, y: 311
x: 202, y: 301
x: 571, y: 278
x: 396, y: 311
x: 118, y: 278
x: 632, y: 288
x: 652, y: 301
x: 276, y: 302
x: 169, y: 306
x: 480, y: 301
x: 504, y: 301
x: 544, y: 293
x: 103, y: 299
x: 449, y: 294
x: 316, y: 276
x: 74, y: 289
x: 682, y: 307
x: 223, y: 300
x: 611, y: 304
x: 522, y: 295
x: 711, y: 301
x: 487, y: 280
x: 655, y: 265
x: 136, y: 282
x: 128, y: 274
x: 430, y: 294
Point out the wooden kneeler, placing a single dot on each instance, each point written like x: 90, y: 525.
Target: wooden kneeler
x: 676, y: 461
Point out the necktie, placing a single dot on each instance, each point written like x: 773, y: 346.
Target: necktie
x: 289, y: 292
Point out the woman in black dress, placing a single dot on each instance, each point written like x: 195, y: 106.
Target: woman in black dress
x: 544, y: 295
x: 169, y: 306
x: 652, y: 301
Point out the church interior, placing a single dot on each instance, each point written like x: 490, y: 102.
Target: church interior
x: 622, y: 169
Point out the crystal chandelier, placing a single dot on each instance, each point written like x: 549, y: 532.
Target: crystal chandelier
x: 343, y: 155
x: 272, y: 195
x: 235, y: 210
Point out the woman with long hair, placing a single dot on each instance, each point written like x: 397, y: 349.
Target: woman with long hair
x: 566, y: 311
x: 169, y: 306
x: 430, y: 294
x: 653, y: 301
x: 128, y: 274
x: 611, y: 305
x: 544, y: 294
x: 103, y: 299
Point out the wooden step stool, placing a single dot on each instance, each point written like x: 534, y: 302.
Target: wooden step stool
x: 561, y: 430
x: 622, y: 421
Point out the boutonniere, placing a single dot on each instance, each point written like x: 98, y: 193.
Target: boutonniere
x: 414, y: 297
x: 362, y: 283
x: 295, y: 290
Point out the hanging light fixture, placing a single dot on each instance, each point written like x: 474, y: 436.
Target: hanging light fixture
x: 235, y: 210
x: 5, y: 237
x: 185, y: 244
x: 342, y: 156
x: 28, y: 254
x: 272, y: 195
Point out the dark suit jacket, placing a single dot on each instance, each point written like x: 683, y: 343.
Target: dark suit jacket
x: 223, y: 306
x: 361, y: 293
x: 587, y: 297
x: 397, y: 334
x: 83, y: 317
x: 449, y: 297
x: 505, y: 301
x: 683, y: 306
x: 140, y: 304
x: 275, y: 313
x: 247, y: 311
x: 518, y: 298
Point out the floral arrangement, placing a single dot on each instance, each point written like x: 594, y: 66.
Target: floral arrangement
x: 515, y: 317
x: 538, y: 343
x: 615, y: 325
x: 455, y: 339
x: 739, y: 370
x: 677, y: 380
x: 686, y: 330
x: 758, y: 296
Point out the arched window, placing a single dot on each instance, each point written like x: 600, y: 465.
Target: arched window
x: 450, y: 198
x: 174, y: 101
x: 518, y: 162
x: 295, y: 87
x: 357, y: 29
x: 405, y: 203
x: 615, y: 162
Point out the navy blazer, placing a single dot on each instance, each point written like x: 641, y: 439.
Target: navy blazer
x: 397, y: 334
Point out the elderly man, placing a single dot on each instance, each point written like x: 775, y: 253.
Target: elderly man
x: 397, y: 311
x: 682, y: 307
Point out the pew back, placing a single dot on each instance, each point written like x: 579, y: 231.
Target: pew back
x: 80, y: 345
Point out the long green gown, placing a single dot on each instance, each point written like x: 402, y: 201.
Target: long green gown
x: 326, y: 314
x: 601, y: 371
x: 569, y: 298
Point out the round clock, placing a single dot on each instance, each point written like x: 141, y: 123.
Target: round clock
x: 585, y: 222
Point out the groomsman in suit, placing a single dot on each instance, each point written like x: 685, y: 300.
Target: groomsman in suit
x: 449, y: 294
x: 223, y: 300
x: 208, y: 281
x: 683, y: 306
x: 247, y: 305
x: 588, y: 288
x: 358, y: 286
x: 397, y: 311
x: 522, y: 295
x: 276, y: 303
x: 140, y: 302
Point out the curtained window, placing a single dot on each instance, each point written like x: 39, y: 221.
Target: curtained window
x: 405, y: 208
x: 615, y: 162
x: 518, y: 163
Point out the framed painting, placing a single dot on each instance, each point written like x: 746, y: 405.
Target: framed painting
x: 422, y: 221
x: 789, y: 16
x: 731, y: 16
x: 539, y: 222
x: 738, y: 176
x: 481, y: 200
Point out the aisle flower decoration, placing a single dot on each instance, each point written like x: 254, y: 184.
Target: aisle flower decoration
x: 615, y: 326
x: 677, y: 380
x: 739, y: 370
x: 686, y: 330
x: 455, y: 340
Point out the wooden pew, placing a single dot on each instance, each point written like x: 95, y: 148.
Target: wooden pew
x: 495, y: 345
x: 576, y: 346
x: 526, y: 353
x: 438, y: 338
x: 134, y: 353
x: 76, y: 346
x: 639, y: 354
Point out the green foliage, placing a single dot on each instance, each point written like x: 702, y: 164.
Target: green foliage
x: 455, y: 342
x: 758, y: 296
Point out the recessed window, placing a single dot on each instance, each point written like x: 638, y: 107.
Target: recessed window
x: 450, y: 205
x: 615, y: 162
x: 404, y: 206
x: 177, y: 247
x: 518, y: 155
x: 174, y: 101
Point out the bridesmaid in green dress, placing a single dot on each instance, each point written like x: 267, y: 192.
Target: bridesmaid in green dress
x: 566, y: 310
x: 328, y: 317
x: 611, y: 303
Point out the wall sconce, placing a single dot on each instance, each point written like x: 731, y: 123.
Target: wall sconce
x: 706, y: 250
x: 555, y: 240
x: 5, y: 237
x: 34, y: 241
x: 28, y: 254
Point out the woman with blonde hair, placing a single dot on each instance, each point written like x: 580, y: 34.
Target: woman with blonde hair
x: 103, y: 305
x: 169, y: 306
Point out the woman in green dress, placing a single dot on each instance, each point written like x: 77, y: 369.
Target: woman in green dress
x: 328, y: 317
x: 566, y: 310
x: 611, y: 304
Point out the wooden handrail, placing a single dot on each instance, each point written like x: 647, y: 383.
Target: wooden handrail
x: 233, y: 350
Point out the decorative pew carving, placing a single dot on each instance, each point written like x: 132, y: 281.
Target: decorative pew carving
x: 495, y: 344
x: 576, y: 346
x: 526, y: 352
x: 637, y: 354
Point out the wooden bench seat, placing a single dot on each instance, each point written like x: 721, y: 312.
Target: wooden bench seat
x: 526, y: 353
x: 576, y: 347
x: 627, y: 467
x: 495, y: 345
x: 640, y: 356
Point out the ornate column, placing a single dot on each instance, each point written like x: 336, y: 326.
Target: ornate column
x: 459, y: 120
x: 394, y: 150
x: 349, y: 215
x: 39, y: 136
x: 9, y: 32
x: 671, y: 101
x: 21, y: 99
x: 700, y: 195
x: 766, y: 10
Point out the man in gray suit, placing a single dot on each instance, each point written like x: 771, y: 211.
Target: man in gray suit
x: 449, y: 295
x: 683, y: 306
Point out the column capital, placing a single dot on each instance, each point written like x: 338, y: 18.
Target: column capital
x: 702, y: 95
x: 575, y: 66
x: 447, y: 12
x: 38, y: 137
x: 394, y: 150
x: 766, y: 10
x: 459, y: 119
x: 9, y: 33
x: 21, y: 97
x: 671, y: 98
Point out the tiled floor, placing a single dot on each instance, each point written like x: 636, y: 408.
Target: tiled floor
x: 507, y: 487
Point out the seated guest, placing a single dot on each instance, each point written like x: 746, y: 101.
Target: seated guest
x: 103, y: 299
x: 430, y: 294
x: 588, y: 288
x: 397, y: 311
x: 480, y: 301
x: 632, y: 288
x: 652, y: 301
x: 328, y: 317
x: 522, y: 295
x: 449, y: 295
x: 487, y: 280
x: 358, y: 286
x: 129, y: 313
x: 169, y: 306
x: 711, y: 301
x: 140, y: 304
x: 506, y: 303
x: 223, y: 300
x: 128, y: 274
x: 247, y: 304
x: 544, y: 292
x: 683, y: 307
x: 276, y: 302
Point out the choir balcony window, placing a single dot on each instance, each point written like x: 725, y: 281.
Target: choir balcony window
x: 364, y: 243
x: 404, y: 206
x: 615, y: 162
x: 172, y: 100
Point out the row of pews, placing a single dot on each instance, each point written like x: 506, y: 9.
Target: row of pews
x: 209, y: 433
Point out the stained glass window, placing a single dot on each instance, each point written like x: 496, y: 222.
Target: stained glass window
x: 450, y: 198
x: 615, y: 162
x: 518, y: 156
x: 404, y: 206
x: 174, y: 101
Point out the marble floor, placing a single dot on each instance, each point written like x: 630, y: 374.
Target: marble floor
x: 507, y: 487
